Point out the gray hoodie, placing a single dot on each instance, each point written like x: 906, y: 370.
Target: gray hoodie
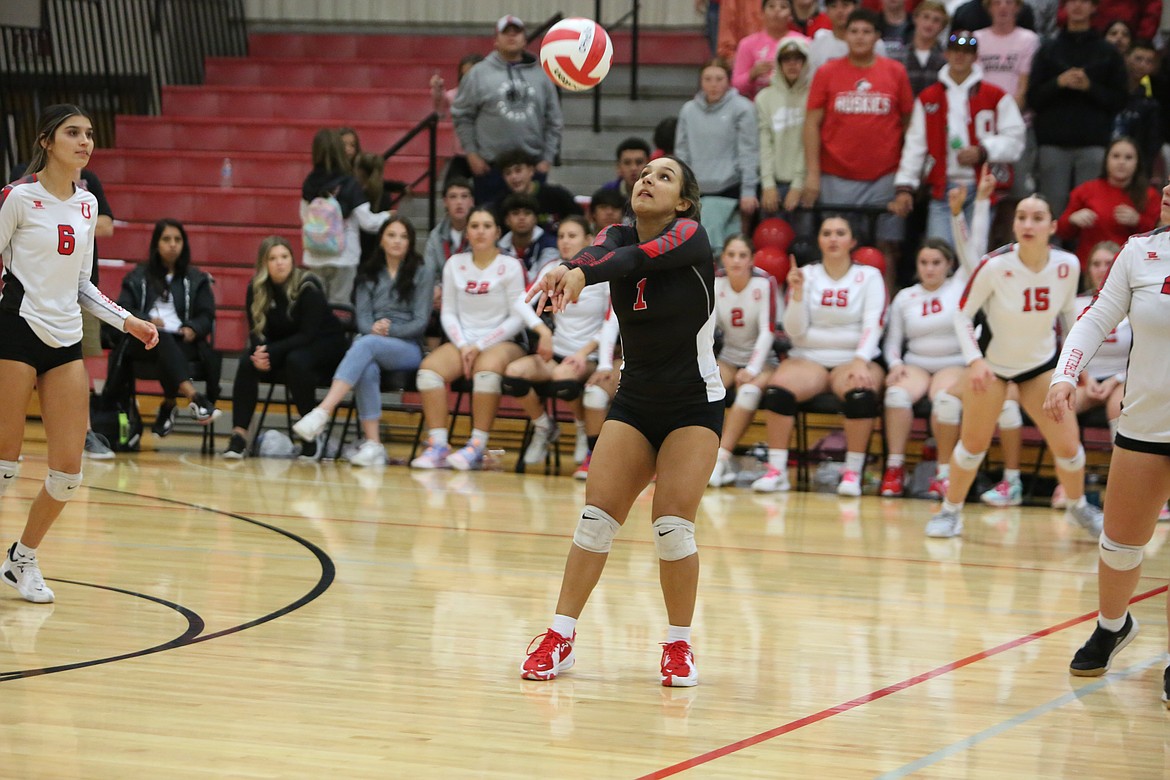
x: 502, y: 106
x: 780, y: 112
x: 720, y: 141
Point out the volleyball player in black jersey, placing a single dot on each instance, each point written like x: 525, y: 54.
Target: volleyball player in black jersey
x: 668, y: 412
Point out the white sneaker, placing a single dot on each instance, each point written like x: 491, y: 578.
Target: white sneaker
x: 369, y: 453
x: 773, y: 481
x: 722, y: 474
x: 850, y: 484
x: 538, y: 445
x: 581, y: 448
x: 310, y: 426
x: 945, y: 525
x: 25, y: 575
x: 468, y: 458
x: 1087, y: 517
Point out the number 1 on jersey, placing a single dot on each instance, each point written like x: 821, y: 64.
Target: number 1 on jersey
x: 640, y: 303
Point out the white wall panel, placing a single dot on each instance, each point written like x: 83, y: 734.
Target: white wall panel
x: 657, y: 13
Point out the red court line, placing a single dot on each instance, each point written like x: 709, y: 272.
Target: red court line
x: 881, y: 693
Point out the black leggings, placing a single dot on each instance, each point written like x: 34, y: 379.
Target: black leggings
x: 301, y: 370
x: 172, y: 355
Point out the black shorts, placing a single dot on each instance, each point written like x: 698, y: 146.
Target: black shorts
x: 1148, y: 447
x: 659, y: 421
x: 1032, y: 373
x: 19, y: 343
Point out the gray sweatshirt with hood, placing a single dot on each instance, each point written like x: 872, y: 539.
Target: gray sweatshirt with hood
x: 720, y: 141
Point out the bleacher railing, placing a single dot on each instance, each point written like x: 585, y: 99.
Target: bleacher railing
x: 632, y: 17
x: 108, y: 56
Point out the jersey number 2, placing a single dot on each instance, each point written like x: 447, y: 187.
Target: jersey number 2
x: 640, y: 303
x: 65, y: 240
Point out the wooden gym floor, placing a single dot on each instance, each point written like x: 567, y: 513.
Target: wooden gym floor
x: 272, y: 619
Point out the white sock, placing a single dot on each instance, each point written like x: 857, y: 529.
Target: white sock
x: 437, y: 436
x: 778, y: 459
x: 564, y: 625
x: 949, y: 507
x: 894, y: 461
x: 678, y: 634
x: 479, y: 439
x: 1114, y: 625
x: 543, y: 422
x: 943, y: 471
x: 25, y: 552
x: 723, y: 455
x: 1011, y: 475
x: 1080, y: 503
x: 855, y: 461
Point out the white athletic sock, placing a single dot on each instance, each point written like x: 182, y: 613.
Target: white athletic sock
x: 564, y: 625
x: 1011, y: 475
x: 778, y: 459
x: 723, y: 455
x: 1114, y: 625
x: 678, y: 634
x: 437, y: 436
x: 25, y: 552
x: 855, y: 461
x: 894, y: 461
x: 949, y: 507
x: 943, y: 471
x: 543, y: 422
x: 1080, y: 502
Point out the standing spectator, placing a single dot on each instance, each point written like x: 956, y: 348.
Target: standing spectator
x: 1143, y: 17
x: 505, y: 102
x: 1141, y: 119
x: 780, y: 110
x: 1044, y: 12
x: 525, y: 240
x: 895, y: 27
x: 923, y: 56
x: 291, y: 330
x: 858, y: 108
x: 830, y: 43
x: 442, y: 100
x: 976, y: 14
x: 553, y: 202
x: 1077, y: 87
x: 1112, y: 207
x: 755, y: 57
x: 709, y: 10
x: 807, y: 17
x: 740, y: 18
x: 1006, y: 50
x: 718, y: 138
x: 350, y: 143
x: 959, y: 124
x: 632, y: 155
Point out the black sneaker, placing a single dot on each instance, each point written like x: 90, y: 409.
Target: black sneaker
x: 1166, y: 687
x: 237, y: 448
x: 164, y: 423
x: 203, y: 410
x: 313, y: 449
x: 1094, y: 657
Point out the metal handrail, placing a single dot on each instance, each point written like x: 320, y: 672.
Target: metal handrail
x: 633, y: 16
x: 430, y: 124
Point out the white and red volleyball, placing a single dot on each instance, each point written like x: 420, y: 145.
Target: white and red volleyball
x: 576, y: 54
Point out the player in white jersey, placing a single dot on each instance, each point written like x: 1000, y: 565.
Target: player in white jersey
x: 1022, y: 289
x: 479, y: 288
x: 47, y: 227
x: 566, y: 357
x: 600, y: 389
x: 834, y: 318
x: 1139, y: 470
x: 745, y: 310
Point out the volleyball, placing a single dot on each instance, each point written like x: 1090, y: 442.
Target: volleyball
x: 576, y: 54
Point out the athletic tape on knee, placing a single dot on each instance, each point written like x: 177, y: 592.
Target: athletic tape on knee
x: 1010, y: 417
x: 595, y: 397
x: 1118, y: 556
x: 426, y: 379
x: 595, y: 530
x: 898, y: 398
x: 674, y: 538
x: 8, y: 472
x: 566, y: 389
x: 61, y: 486
x: 860, y: 405
x: 965, y: 459
x: 748, y: 397
x: 779, y: 400
x: 1075, y: 463
x: 486, y: 382
x: 948, y: 409
x: 515, y: 386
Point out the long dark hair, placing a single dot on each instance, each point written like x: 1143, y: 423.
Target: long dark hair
x: 375, y: 261
x: 156, y: 270
x: 1138, y: 188
x: 329, y: 152
x: 47, y: 123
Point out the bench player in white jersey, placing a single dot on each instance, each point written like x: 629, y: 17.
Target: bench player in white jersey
x: 566, y: 356
x: 834, y: 319
x: 1022, y: 289
x: 47, y: 226
x: 479, y: 288
x: 1138, y: 287
x: 600, y: 389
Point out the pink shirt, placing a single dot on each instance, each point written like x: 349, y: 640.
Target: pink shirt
x: 1006, y: 57
x: 757, y: 47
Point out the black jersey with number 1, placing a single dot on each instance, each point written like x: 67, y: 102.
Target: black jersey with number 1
x: 663, y: 293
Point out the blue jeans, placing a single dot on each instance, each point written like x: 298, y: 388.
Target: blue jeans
x: 364, y: 363
x: 938, y: 215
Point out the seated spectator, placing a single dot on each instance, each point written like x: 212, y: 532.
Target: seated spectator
x: 566, y: 355
x: 479, y: 288
x: 392, y: 303
x: 1141, y: 118
x: 745, y: 312
x: 1120, y: 34
x: 1114, y: 206
x: 755, y: 56
x: 600, y: 389
x: 553, y: 202
x: 923, y: 55
x: 606, y: 207
x: 834, y: 319
x: 664, y: 134
x: 177, y: 297
x: 1142, y: 17
x: 718, y: 137
x: 1103, y: 382
x: 446, y: 239
x: 780, y: 112
x: 292, y: 335
x: 525, y: 240
x: 830, y: 44
x: 632, y: 155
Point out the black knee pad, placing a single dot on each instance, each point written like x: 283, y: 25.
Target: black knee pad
x: 779, y: 400
x: 860, y: 405
x: 515, y: 386
x: 566, y: 389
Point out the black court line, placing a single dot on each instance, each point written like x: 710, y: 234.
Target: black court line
x: 195, y: 624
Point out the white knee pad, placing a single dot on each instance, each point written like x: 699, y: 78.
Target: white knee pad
x: 426, y: 379
x: 748, y: 397
x: 1120, y: 557
x: 674, y: 538
x: 1075, y: 463
x: 898, y: 398
x: 1010, y: 417
x: 968, y: 461
x: 948, y: 409
x: 595, y: 397
x: 487, y: 382
x: 61, y: 486
x: 595, y: 530
x: 8, y: 471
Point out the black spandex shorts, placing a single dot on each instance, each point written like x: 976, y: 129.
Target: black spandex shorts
x: 1149, y: 447
x: 19, y: 343
x: 658, y: 422
x: 1031, y: 373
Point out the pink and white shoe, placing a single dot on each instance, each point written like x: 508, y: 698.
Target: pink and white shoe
x: 850, y: 484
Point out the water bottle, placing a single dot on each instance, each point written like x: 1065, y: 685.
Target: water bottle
x: 225, y: 173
